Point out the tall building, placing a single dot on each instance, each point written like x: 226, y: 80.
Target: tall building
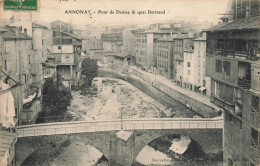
x: 92, y: 44
x: 182, y: 42
x: 112, y: 42
x: 144, y: 50
x: 194, y: 67
x: 233, y: 63
x: 18, y: 60
x: 41, y: 36
x: 66, y: 49
x: 8, y: 138
x: 164, y: 55
x: 129, y: 42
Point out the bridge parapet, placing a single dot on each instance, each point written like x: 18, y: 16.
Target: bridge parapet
x: 115, y: 125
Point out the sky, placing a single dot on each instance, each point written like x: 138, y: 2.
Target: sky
x: 196, y: 10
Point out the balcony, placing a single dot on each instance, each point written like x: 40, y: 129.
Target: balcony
x: 77, y: 43
x: 244, y: 83
x: 255, y: 117
x: 255, y: 151
x: 222, y: 103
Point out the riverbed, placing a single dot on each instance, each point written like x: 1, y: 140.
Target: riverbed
x: 117, y: 97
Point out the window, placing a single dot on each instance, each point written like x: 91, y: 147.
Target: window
x: 59, y: 47
x: 218, y: 66
x: 58, y: 58
x: 220, y: 43
x: 255, y: 104
x: 226, y: 67
x: 29, y: 59
x: 5, y: 65
x: 56, y: 33
x: 24, y: 78
x: 56, y: 41
x: 254, y: 136
x: 66, y: 41
x: 231, y: 139
x: 188, y: 64
x: 240, y: 45
x: 210, y: 44
x: 229, y: 44
x: 224, y: 92
x: 188, y: 72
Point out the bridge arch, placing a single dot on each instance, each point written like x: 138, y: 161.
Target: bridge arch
x: 201, y: 137
x: 102, y: 134
x: 164, y: 142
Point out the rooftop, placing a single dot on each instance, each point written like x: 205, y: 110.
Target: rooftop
x: 72, y: 35
x: 37, y: 25
x: 10, y: 34
x: 241, y: 24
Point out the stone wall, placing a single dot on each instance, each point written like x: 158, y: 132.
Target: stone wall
x: 197, y: 106
x: 120, y: 152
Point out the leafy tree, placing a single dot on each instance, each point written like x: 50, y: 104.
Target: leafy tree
x: 56, y: 97
x: 89, y: 70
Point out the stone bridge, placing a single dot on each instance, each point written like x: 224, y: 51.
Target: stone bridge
x: 102, y: 134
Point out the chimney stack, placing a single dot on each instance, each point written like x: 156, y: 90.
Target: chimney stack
x: 20, y: 29
x: 12, y: 20
x: 16, y: 31
x: 25, y: 31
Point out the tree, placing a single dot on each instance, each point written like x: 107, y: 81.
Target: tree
x: 56, y: 97
x: 89, y: 70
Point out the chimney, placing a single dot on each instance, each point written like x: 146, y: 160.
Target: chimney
x: 20, y: 29
x: 25, y: 31
x: 12, y: 20
x: 16, y: 31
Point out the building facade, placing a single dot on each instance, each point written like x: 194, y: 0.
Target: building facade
x: 144, y: 51
x: 183, y: 42
x: 112, y: 42
x: 164, y: 55
x: 8, y: 138
x: 233, y: 63
x: 18, y: 60
x: 41, y: 40
x: 92, y: 44
x: 194, y: 67
x: 66, y: 49
x: 129, y: 42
